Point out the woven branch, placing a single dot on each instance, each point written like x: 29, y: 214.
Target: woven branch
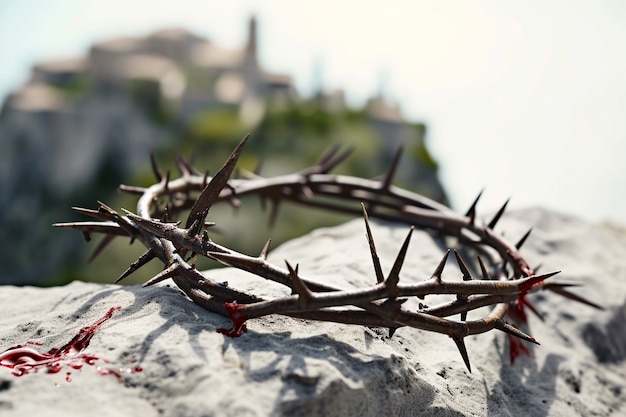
x: 380, y: 305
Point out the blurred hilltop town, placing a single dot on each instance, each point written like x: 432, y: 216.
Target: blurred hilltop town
x: 81, y: 126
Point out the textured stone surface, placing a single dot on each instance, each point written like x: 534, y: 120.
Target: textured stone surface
x: 284, y: 366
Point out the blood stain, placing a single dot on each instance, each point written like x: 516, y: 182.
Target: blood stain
x: 24, y: 360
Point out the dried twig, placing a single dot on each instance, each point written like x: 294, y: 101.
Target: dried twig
x: 381, y: 304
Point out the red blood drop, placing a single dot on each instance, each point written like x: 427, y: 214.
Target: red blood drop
x: 23, y: 360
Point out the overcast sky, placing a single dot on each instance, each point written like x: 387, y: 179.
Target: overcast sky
x: 526, y: 99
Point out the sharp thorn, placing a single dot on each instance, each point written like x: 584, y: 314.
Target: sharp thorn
x: 103, y: 244
x: 466, y: 273
x: 328, y: 154
x: 143, y: 259
x: 235, y: 260
x: 181, y: 166
x: 331, y: 164
x: 567, y: 294
x: 391, y: 172
x: 91, y: 213
x: 483, y: 269
x: 394, y: 274
x: 460, y: 344
x: 561, y: 285
x: 392, y: 331
x: 495, y: 219
x: 512, y: 330
x: 471, y: 213
x: 370, y: 239
x: 519, y: 244
x: 273, y: 213
x: 155, y: 167
x: 196, y: 227
x: 168, y: 272
x: 438, y: 271
x: 131, y: 189
x: 532, y: 308
x: 298, y: 285
x: 211, y: 192
x: 528, y: 282
x: 106, y: 209
x: 266, y: 249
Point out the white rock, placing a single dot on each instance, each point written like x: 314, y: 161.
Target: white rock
x: 285, y: 366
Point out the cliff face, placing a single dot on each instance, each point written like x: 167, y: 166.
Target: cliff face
x: 81, y: 126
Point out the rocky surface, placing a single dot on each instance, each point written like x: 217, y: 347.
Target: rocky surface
x: 172, y: 362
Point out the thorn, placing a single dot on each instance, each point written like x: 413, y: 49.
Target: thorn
x: 166, y: 181
x: 394, y: 274
x: 519, y: 244
x: 196, y: 227
x: 391, y: 172
x: 298, y: 285
x: 471, y: 213
x: 329, y: 160
x: 168, y: 272
x: 439, y: 269
x: 184, y: 166
x: 143, y: 259
x: 271, y: 222
x: 181, y: 166
x: 155, y: 167
x: 91, y: 213
x: 332, y: 163
x: 562, y: 291
x: 131, y: 189
x: 205, y: 239
x: 328, y: 154
x: 483, y: 269
x: 514, y: 331
x: 211, y: 192
x: 529, y: 282
x: 466, y: 273
x: 495, y: 219
x: 460, y: 344
x: 152, y: 226
x: 466, y: 277
x: 531, y: 307
x: 235, y: 260
x: 266, y: 249
x: 106, y: 209
x: 370, y: 239
x: 103, y: 244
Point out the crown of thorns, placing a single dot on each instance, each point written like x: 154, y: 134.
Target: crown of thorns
x: 380, y: 305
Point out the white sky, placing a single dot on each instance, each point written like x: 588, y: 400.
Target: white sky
x: 526, y: 99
